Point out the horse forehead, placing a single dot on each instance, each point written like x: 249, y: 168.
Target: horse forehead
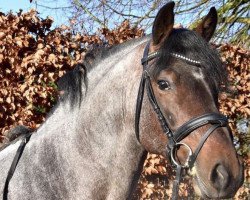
x: 181, y: 71
x: 198, y: 74
x: 189, y: 76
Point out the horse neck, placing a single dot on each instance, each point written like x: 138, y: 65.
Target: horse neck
x: 109, y: 136
x: 100, y: 133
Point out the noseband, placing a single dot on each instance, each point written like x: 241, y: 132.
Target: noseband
x: 174, y: 138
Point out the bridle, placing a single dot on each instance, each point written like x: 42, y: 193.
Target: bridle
x: 174, y: 138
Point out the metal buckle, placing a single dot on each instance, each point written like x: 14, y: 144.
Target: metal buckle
x: 146, y: 74
x: 174, y: 149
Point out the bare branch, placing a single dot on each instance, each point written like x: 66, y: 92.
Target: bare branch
x: 232, y: 14
x: 89, y: 13
x: 153, y: 7
x: 54, y: 8
x: 120, y: 13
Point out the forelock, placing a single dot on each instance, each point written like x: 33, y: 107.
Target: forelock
x: 190, y: 45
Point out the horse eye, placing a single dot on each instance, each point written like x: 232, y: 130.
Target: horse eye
x: 163, y: 85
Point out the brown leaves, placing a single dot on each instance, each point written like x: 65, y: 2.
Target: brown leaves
x: 122, y: 33
x: 28, y: 63
x: 237, y: 102
x: 33, y: 57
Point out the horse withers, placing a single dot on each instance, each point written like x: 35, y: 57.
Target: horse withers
x: 94, y: 143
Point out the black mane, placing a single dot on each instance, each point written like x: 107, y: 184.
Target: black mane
x: 70, y: 84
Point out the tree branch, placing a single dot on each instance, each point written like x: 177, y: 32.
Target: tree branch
x: 153, y: 7
x: 85, y: 9
x: 120, y: 13
x: 53, y: 8
x: 192, y: 8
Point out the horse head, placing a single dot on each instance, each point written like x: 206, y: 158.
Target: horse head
x: 182, y: 75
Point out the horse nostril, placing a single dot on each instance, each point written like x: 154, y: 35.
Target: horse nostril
x: 220, y: 177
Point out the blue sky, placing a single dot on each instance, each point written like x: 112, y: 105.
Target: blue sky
x: 25, y: 5
x: 14, y: 5
x: 59, y: 16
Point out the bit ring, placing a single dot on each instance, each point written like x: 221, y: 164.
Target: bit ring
x: 174, y: 150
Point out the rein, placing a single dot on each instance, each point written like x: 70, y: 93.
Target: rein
x: 174, y: 138
x: 14, y: 165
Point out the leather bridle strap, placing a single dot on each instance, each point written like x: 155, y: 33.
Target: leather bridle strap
x: 138, y: 107
x: 145, y: 80
x: 14, y: 164
x: 176, y: 182
x: 193, y: 157
x: 195, y: 123
x: 160, y: 116
x: 141, y: 92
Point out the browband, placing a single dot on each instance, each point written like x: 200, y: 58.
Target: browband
x: 153, y: 55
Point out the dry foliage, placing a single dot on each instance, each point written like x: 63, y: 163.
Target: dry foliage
x: 33, y: 57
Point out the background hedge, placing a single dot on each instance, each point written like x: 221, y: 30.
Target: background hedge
x: 33, y: 57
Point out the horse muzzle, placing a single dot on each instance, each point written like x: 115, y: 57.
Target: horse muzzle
x: 220, y: 183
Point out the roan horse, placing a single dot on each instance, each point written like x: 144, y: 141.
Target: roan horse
x: 89, y: 148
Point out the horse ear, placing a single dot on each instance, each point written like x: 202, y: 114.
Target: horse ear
x: 163, y: 24
x: 207, y: 27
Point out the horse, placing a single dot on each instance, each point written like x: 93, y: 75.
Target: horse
x: 116, y: 107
